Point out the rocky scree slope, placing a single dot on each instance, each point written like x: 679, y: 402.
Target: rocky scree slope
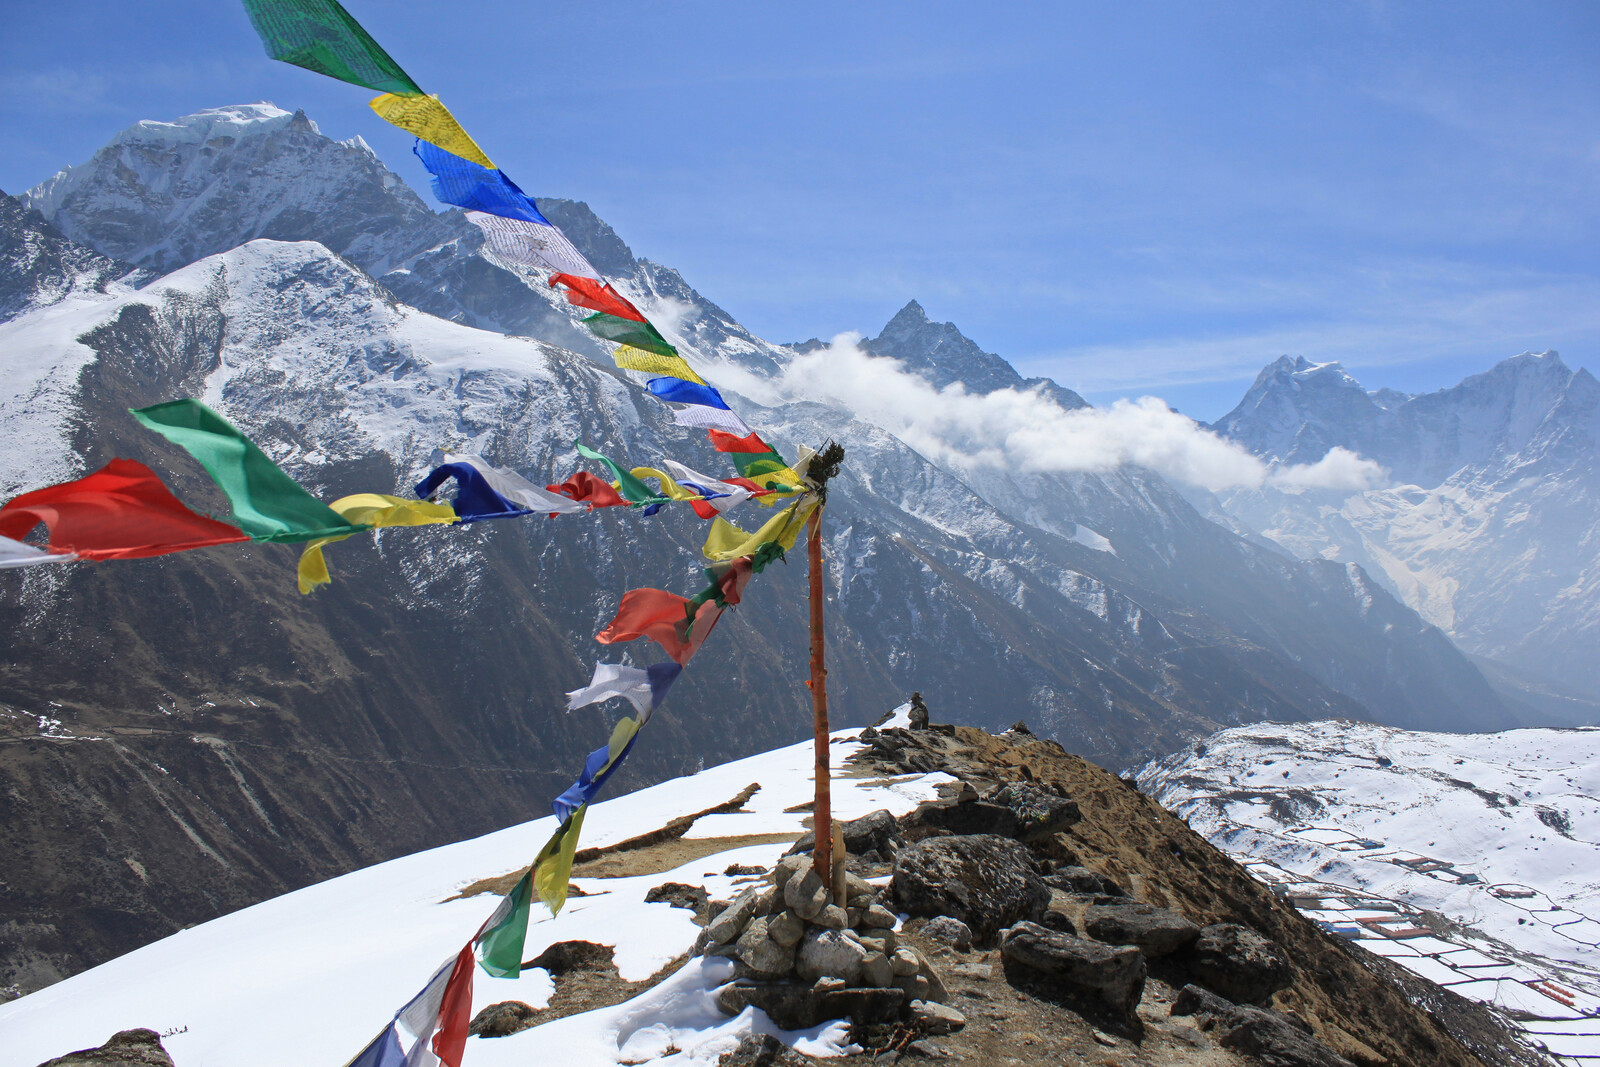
x: 1211, y: 957
x: 241, y: 740
x: 1487, y: 523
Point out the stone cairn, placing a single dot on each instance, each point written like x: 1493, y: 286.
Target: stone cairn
x: 806, y: 951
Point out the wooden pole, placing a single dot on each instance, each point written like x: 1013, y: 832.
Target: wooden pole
x: 822, y: 810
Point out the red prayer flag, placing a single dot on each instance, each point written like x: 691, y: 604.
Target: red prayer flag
x: 588, y: 293
x: 723, y: 441
x: 121, y: 511
x: 455, y: 1010
x: 589, y: 489
x: 664, y: 618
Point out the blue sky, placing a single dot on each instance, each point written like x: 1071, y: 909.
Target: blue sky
x: 1157, y: 199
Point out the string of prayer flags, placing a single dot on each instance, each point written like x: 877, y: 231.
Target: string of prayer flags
x: 267, y: 503
x: 503, y: 934
x: 121, y: 511
x: 755, y: 459
x: 320, y: 36
x: 645, y: 689
x: 21, y: 554
x: 373, y: 510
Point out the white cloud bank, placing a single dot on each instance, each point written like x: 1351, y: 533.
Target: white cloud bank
x: 1023, y: 430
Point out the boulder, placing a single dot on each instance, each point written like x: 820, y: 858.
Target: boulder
x: 732, y: 920
x: 878, y: 917
x: 1038, y: 810
x: 761, y: 955
x: 986, y: 881
x: 126, y: 1048
x: 803, y: 891
x: 1060, y: 922
x: 904, y: 962
x: 791, y: 1006
x: 959, y: 817
x: 1237, y: 962
x: 877, y: 970
x: 689, y: 897
x: 834, y: 953
x: 1157, y: 931
x: 1115, y: 974
x: 786, y: 928
x: 503, y: 1019
x: 864, y: 1006
x: 1083, y: 881
x: 1268, y: 1036
x: 760, y: 1050
x: 953, y: 932
x: 833, y: 917
x: 876, y: 831
x: 931, y: 1017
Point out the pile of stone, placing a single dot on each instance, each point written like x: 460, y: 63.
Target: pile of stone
x: 807, y: 951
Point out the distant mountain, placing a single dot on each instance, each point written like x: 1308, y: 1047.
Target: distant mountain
x: 1488, y: 528
x: 236, y: 739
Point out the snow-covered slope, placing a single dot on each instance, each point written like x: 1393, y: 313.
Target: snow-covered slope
x: 321, y: 970
x: 1488, y: 526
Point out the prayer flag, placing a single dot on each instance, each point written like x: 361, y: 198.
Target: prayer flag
x: 455, y: 1011
x: 531, y: 244
x: 588, y: 489
x: 474, y: 186
x: 475, y: 498
x: 121, y: 511
x: 644, y: 689
x: 632, y: 489
x: 651, y: 362
x: 22, y: 554
x: 428, y: 119
x: 600, y: 765
x: 501, y: 940
x: 748, y: 445
x: 319, y: 35
x: 369, y: 509
x: 597, y: 296
x: 671, y: 621
x: 513, y: 486
x: 704, y: 418
x: 384, y: 1051
x: 631, y: 332
x: 267, y: 503
x: 420, y: 1016
x: 682, y: 392
x: 727, y: 542
x: 553, y: 866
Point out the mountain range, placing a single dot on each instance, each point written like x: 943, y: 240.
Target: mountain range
x: 186, y: 734
x: 1486, y: 524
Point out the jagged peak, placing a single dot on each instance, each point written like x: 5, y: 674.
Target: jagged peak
x: 233, y: 119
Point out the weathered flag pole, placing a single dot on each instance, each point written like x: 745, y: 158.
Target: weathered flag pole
x: 824, y: 466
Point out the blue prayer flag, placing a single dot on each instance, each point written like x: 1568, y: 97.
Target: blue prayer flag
x: 465, y: 184
x: 681, y: 392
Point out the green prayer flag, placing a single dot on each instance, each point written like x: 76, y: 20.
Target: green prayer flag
x: 502, y: 941
x: 320, y: 35
x: 628, y: 332
x: 553, y: 866
x: 267, y: 503
x: 632, y: 489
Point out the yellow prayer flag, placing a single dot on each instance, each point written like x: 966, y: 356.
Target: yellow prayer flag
x: 726, y: 541
x: 630, y: 358
x: 552, y: 868
x: 370, y: 509
x: 427, y: 118
x: 669, y: 488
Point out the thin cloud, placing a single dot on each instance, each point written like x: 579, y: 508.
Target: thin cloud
x: 1015, y: 429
